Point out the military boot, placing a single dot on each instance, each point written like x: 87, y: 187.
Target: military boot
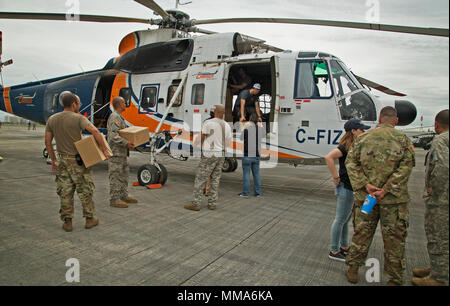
x: 426, y: 281
x: 91, y: 222
x: 422, y: 272
x: 129, y: 199
x: 191, y: 206
x: 119, y: 203
x: 67, y: 225
x: 352, y: 274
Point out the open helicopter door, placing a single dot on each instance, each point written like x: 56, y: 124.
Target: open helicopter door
x: 275, y: 103
x: 203, y: 91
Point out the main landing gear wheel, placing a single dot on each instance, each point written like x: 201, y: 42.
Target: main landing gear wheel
x: 229, y: 165
x: 147, y: 175
x: 163, y: 174
x: 235, y: 164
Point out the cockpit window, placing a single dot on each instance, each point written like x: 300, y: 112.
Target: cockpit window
x: 344, y: 82
x: 359, y: 105
x: 312, y: 80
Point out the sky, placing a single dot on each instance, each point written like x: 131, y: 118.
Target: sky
x: 412, y: 64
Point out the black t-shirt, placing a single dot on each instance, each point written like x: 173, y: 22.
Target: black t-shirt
x: 343, y: 170
x: 253, y: 136
x: 250, y: 101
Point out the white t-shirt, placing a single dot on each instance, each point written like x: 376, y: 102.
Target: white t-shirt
x: 213, y: 143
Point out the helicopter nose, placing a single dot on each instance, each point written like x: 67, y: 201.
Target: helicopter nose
x: 406, y: 112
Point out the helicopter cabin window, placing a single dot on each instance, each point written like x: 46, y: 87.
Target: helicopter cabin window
x: 264, y: 103
x: 125, y: 93
x: 55, y: 102
x: 149, y: 97
x: 171, y: 92
x: 312, y: 80
x: 359, y: 105
x: 198, y: 94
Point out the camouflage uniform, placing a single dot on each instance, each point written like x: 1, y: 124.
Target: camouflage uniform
x: 70, y: 177
x: 208, y: 168
x: 436, y: 206
x: 117, y: 164
x: 383, y: 157
x: 66, y: 129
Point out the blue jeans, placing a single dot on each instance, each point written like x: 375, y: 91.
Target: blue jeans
x: 247, y: 164
x: 339, y: 229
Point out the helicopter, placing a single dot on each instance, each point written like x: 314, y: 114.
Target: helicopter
x: 171, y: 79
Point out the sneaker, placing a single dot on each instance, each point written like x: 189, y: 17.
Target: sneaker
x: 243, y: 196
x: 338, y: 256
x: 257, y: 195
x: 345, y: 252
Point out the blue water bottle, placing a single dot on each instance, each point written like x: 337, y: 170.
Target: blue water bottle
x: 368, y: 205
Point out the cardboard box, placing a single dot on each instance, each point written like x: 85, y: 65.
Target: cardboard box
x: 90, y: 152
x: 137, y: 135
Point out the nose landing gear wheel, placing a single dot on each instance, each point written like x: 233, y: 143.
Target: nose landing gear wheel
x: 147, y: 175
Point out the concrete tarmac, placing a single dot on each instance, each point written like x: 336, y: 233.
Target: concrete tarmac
x: 280, y: 239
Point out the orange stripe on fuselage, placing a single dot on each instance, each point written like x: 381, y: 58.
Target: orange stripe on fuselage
x: 131, y: 114
x: 7, y: 100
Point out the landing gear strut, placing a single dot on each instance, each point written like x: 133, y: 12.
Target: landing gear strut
x: 154, y: 172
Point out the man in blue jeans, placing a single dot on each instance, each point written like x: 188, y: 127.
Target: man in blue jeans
x: 252, y: 135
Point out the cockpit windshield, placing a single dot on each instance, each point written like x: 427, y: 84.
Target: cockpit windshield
x: 344, y: 81
x: 352, y: 101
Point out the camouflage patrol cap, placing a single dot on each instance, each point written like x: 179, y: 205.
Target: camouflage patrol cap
x: 354, y: 124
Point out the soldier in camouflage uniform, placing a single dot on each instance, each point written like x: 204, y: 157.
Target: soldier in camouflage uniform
x: 118, y: 165
x: 71, y: 176
x: 436, y: 207
x: 380, y: 164
x: 214, y: 138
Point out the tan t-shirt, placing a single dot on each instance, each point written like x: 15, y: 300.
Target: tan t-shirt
x: 66, y: 127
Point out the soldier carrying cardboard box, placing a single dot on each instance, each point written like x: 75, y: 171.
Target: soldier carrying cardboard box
x: 118, y: 165
x: 71, y: 174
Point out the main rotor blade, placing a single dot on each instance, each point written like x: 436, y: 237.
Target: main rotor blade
x: 60, y: 16
x: 344, y: 24
x: 378, y: 87
x: 154, y: 7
